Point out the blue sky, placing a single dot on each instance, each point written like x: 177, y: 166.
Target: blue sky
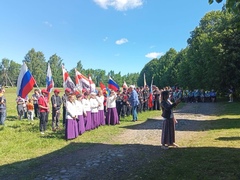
x: 118, y: 35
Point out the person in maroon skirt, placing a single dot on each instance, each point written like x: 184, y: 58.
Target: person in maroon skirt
x: 71, y: 129
x: 94, y: 110
x: 87, y: 109
x: 80, y: 113
x: 101, y: 116
x: 168, y: 126
x: 112, y: 115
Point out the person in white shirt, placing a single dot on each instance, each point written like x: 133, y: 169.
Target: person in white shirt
x: 81, y: 113
x: 94, y: 110
x: 101, y: 115
x: 112, y: 115
x: 87, y: 108
x: 71, y: 130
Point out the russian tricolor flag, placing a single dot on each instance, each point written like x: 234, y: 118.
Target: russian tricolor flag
x: 112, y: 84
x: 49, y: 79
x: 25, y: 82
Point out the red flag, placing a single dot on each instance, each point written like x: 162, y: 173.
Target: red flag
x: 102, y: 86
x: 150, y: 99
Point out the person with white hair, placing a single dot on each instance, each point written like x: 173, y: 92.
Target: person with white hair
x: 133, y: 99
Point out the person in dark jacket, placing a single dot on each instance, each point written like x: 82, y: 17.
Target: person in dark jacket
x: 168, y: 126
x: 56, y: 106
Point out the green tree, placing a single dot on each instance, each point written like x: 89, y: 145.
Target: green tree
x: 56, y: 68
x: 37, y: 66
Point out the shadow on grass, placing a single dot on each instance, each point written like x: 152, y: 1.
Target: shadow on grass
x: 12, y: 118
x: 210, y: 109
x: 237, y: 138
x: 83, y: 161
x: 189, y: 124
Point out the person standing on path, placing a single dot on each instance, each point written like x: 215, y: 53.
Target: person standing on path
x: 133, y: 99
x: 168, y: 126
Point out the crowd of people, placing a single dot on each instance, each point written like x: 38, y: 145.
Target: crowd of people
x: 88, y: 110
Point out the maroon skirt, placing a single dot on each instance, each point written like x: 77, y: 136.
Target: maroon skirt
x: 71, y: 130
x: 88, y: 121
x: 81, y: 124
x: 112, y: 116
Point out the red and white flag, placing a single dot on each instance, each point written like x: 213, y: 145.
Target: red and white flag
x: 82, y: 82
x: 92, y: 85
x: 67, y: 81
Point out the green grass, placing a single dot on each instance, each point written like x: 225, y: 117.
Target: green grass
x: 21, y: 142
x: 212, y: 154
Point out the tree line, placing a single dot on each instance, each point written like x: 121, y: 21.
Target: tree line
x: 37, y: 64
x: 211, y: 59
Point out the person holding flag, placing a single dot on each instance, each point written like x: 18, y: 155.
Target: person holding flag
x: 44, y: 110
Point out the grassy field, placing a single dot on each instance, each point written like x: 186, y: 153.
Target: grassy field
x: 21, y: 141
x: 212, y: 155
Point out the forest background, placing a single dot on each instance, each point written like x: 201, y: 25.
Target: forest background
x: 211, y: 60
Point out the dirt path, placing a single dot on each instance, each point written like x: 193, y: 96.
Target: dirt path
x: 136, y: 147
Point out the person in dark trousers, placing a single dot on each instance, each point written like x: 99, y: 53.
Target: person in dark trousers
x: 64, y: 100
x: 56, y: 106
x: 44, y: 110
x: 119, y: 104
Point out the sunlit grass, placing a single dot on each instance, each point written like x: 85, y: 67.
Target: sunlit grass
x: 20, y: 140
x: 209, y: 154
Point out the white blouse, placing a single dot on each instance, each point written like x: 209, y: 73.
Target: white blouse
x: 71, y: 109
x: 94, y: 105
x: 86, y: 104
x: 111, y: 101
x: 100, y: 100
x: 80, y: 109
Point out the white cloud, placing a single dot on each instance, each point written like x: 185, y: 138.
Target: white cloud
x: 121, y: 41
x: 105, y: 39
x: 120, y: 5
x: 47, y: 23
x: 154, y: 55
